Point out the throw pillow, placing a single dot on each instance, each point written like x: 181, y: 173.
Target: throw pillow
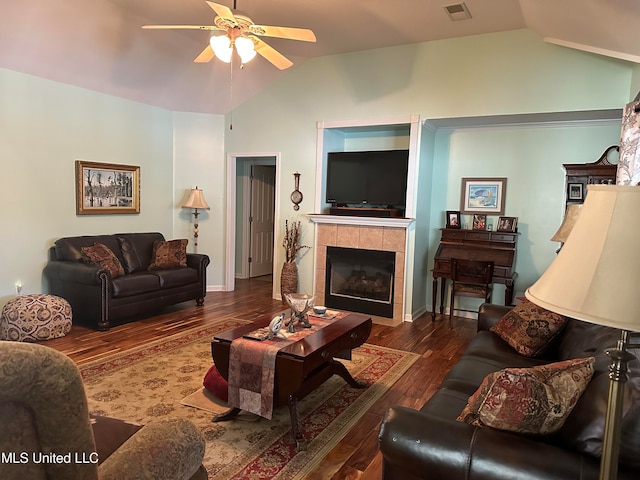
x: 216, y: 384
x: 529, y: 329
x: 100, y: 255
x: 168, y: 254
x: 534, y: 400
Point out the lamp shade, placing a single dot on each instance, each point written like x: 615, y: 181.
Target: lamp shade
x: 196, y: 200
x: 570, y: 217
x: 596, y: 275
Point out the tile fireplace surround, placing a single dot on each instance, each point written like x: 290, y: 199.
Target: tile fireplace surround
x: 371, y: 233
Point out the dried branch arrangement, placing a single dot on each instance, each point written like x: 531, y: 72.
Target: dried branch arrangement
x: 291, y: 242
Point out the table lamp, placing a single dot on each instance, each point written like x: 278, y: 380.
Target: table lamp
x: 196, y: 201
x: 595, y: 278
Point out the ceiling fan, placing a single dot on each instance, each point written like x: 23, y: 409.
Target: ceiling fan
x: 242, y: 33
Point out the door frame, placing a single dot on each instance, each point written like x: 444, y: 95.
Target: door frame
x: 230, y: 247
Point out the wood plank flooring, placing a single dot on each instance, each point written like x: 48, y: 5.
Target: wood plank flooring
x: 354, y: 457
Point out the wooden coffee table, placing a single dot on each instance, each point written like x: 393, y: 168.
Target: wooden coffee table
x: 303, y: 366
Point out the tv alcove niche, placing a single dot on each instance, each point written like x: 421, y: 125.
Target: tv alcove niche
x: 387, y: 228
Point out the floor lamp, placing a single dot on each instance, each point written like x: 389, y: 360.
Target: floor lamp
x: 196, y: 201
x: 595, y: 278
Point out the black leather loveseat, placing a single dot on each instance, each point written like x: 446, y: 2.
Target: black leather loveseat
x: 431, y: 444
x: 99, y: 298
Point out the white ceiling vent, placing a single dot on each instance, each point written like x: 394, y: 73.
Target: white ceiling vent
x: 457, y: 11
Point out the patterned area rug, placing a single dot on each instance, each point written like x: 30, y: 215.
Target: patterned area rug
x: 150, y: 381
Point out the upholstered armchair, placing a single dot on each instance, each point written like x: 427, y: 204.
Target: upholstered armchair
x: 46, y: 429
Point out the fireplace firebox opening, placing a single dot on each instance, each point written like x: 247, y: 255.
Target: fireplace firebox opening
x: 360, y: 280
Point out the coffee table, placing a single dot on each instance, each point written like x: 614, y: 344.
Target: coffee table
x: 303, y: 366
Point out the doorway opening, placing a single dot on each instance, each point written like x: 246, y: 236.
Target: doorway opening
x: 251, y: 213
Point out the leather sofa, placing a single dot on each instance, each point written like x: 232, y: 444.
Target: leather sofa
x: 100, y: 300
x: 431, y: 443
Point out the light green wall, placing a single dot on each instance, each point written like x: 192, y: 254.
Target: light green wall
x: 498, y: 74
x: 199, y: 160
x: 531, y: 158
x: 45, y: 126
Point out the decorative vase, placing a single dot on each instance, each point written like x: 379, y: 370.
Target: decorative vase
x: 288, y: 279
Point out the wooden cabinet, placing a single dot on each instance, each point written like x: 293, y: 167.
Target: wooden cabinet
x: 579, y: 175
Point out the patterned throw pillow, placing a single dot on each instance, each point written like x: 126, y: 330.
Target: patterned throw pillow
x: 534, y: 400
x: 529, y: 329
x: 168, y: 254
x: 100, y: 255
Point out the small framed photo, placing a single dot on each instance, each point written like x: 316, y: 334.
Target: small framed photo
x: 483, y: 195
x: 575, y: 191
x: 507, y: 224
x: 479, y: 221
x: 453, y: 219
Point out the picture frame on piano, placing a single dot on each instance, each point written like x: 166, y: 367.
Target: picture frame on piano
x: 507, y: 224
x: 483, y: 195
x: 453, y: 219
x: 479, y: 221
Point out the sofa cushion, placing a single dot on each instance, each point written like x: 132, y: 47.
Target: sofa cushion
x: 134, y: 284
x: 137, y: 249
x: 169, y: 254
x: 534, y: 400
x: 101, y: 256
x: 216, y: 384
x: 176, y: 277
x: 529, y: 329
x: 69, y: 248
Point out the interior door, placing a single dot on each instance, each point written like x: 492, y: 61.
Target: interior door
x: 261, y: 217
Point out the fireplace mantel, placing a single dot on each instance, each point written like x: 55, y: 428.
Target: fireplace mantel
x: 361, y: 221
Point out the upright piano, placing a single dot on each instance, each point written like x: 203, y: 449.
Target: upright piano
x: 475, y: 245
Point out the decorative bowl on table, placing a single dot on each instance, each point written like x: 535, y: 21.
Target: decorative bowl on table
x: 319, y: 309
x: 300, y: 304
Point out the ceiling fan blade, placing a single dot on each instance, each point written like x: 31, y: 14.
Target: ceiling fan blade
x: 183, y: 27
x: 221, y: 10
x: 206, y: 55
x: 271, y: 54
x: 291, y: 33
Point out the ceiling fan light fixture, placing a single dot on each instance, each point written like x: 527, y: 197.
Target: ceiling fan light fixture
x: 246, y: 49
x: 221, y: 45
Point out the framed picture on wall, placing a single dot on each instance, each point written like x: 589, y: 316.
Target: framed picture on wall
x: 483, y: 195
x: 106, y: 188
x: 453, y: 219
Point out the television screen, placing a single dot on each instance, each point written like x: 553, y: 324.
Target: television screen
x: 373, y: 178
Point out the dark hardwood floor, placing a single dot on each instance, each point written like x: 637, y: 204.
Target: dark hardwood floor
x: 356, y: 456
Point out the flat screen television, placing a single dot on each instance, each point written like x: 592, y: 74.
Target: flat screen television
x: 373, y: 178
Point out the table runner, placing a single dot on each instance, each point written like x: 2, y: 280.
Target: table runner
x: 252, y: 366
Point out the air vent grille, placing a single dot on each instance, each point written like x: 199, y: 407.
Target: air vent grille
x: 457, y: 11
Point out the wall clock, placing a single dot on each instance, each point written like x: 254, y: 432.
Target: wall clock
x: 296, y: 195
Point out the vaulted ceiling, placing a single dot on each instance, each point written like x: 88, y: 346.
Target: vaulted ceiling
x: 99, y: 44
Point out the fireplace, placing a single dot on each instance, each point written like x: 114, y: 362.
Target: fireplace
x: 360, y: 280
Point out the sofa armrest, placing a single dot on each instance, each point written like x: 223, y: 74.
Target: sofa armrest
x: 164, y: 449
x: 198, y: 261
x: 415, y: 444
x: 489, y: 314
x: 74, y: 272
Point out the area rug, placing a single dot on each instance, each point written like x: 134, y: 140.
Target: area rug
x: 149, y: 382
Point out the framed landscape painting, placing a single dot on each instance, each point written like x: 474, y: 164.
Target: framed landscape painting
x: 483, y: 195
x: 106, y: 188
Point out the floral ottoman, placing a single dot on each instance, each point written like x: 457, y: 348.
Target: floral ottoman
x: 35, y: 317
